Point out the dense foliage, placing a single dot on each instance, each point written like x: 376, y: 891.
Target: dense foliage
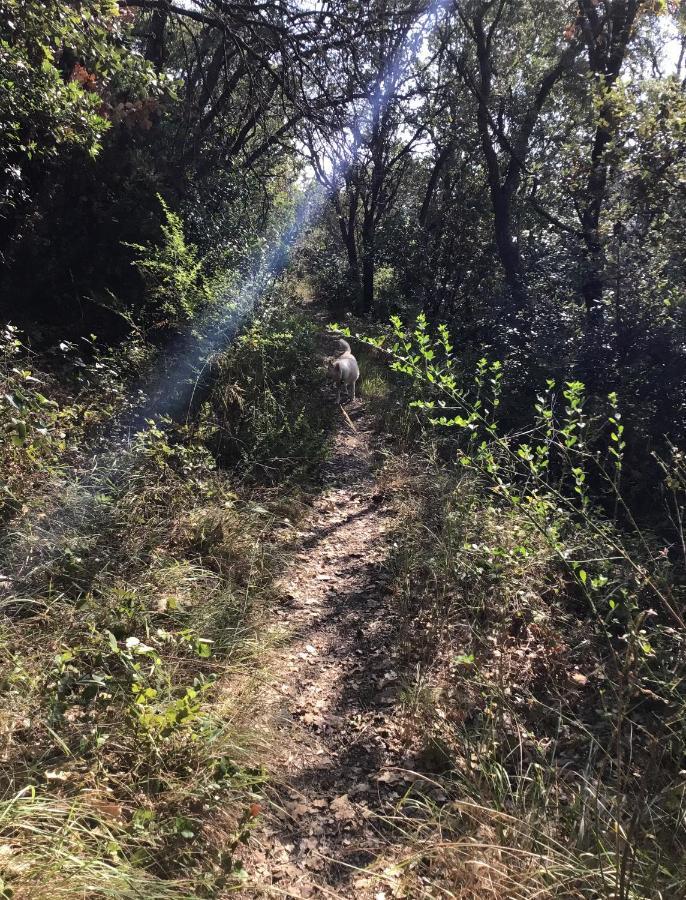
x: 521, y: 178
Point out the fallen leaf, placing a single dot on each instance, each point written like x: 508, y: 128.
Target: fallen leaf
x: 298, y: 809
x: 107, y: 808
x: 342, y: 809
x: 309, y: 844
x: 390, y: 777
x: 312, y: 719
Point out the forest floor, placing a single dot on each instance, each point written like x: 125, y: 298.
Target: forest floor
x: 335, y: 690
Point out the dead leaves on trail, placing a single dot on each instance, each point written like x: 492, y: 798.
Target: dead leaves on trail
x: 342, y: 688
x: 300, y: 808
x: 342, y: 809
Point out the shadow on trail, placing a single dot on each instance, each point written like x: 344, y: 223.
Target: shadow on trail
x: 342, y: 683
x: 321, y: 532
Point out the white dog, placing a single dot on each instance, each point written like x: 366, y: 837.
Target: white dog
x: 345, y: 370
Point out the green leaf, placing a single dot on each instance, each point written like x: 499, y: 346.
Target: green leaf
x: 464, y: 659
x: 203, y: 648
x: 112, y: 641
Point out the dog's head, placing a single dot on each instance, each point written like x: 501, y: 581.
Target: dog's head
x: 330, y: 364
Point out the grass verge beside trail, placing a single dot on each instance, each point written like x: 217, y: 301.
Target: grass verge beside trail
x: 543, y: 705
x: 136, y: 581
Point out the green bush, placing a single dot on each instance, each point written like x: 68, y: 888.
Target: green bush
x: 542, y: 633
x: 177, y: 289
x: 270, y: 413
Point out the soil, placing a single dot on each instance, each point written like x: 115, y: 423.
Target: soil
x: 338, y: 689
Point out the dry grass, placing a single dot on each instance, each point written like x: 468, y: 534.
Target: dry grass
x: 137, y: 583
x: 131, y: 640
x: 547, y: 752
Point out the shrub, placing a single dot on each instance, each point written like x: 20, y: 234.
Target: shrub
x: 269, y: 411
x: 544, y: 633
x: 173, y: 275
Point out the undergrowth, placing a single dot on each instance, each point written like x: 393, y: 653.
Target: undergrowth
x: 268, y: 414
x: 137, y: 573
x: 542, y: 644
x: 542, y: 639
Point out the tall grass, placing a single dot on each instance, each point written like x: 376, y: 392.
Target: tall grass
x: 57, y: 848
x: 542, y: 647
x: 137, y: 577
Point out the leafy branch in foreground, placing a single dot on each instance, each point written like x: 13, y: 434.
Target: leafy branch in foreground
x: 543, y: 686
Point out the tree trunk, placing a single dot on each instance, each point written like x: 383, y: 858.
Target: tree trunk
x: 508, y: 248
x: 346, y: 223
x: 501, y: 201
x: 593, y: 281
x: 594, y: 262
x: 504, y: 180
x: 607, y: 40
x: 155, y: 45
x: 368, y: 265
x: 594, y: 361
x: 439, y: 165
x: 348, y: 236
x: 367, y: 300
x: 501, y: 195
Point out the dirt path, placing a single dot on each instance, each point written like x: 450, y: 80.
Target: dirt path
x: 337, y: 687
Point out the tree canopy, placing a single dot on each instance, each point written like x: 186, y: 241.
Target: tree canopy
x: 513, y: 168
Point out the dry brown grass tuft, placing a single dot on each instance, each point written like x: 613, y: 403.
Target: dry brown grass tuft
x: 547, y: 764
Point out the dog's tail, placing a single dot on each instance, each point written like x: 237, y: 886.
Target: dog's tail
x: 345, y: 346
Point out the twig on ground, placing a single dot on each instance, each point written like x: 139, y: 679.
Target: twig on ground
x: 348, y: 419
